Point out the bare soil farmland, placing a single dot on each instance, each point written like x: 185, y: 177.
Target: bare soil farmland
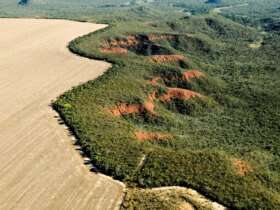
x: 39, y: 166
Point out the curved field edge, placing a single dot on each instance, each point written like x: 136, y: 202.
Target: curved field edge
x: 176, y: 196
x: 111, y: 144
x: 38, y: 159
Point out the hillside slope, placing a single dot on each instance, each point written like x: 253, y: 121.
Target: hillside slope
x: 184, y: 104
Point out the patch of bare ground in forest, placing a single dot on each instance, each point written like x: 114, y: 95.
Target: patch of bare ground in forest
x: 192, y: 74
x: 114, y: 50
x: 154, y: 81
x: 170, y: 94
x: 122, y: 42
x: 241, y: 167
x: 178, y: 93
x: 151, y: 136
x: 167, y: 58
x: 133, y: 40
x: 125, y: 109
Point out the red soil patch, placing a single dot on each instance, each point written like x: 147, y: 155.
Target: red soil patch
x: 179, y: 94
x: 242, y: 167
x: 133, y: 40
x: 155, y: 136
x: 167, y: 58
x: 188, y: 75
x: 124, y: 109
x: 126, y: 42
x: 154, y: 81
x: 114, y: 50
x: 152, y: 96
x: 149, y: 104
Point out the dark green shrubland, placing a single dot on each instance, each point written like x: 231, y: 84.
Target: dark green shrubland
x: 237, y: 117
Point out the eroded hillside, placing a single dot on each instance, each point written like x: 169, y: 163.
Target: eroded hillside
x: 183, y: 106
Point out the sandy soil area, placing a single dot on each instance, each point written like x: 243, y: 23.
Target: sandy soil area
x: 39, y: 166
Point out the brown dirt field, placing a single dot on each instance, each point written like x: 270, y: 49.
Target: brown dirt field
x: 166, y: 58
x: 242, y: 167
x: 179, y: 94
x: 39, y: 166
x: 154, y: 136
x: 114, y: 50
x: 190, y: 74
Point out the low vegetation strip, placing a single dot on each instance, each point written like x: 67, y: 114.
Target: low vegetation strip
x: 224, y: 141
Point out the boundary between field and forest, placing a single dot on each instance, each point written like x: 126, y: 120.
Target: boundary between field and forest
x: 192, y: 193
x: 117, y: 153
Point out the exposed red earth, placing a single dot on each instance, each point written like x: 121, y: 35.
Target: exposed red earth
x: 124, y: 109
x: 242, y: 167
x: 190, y: 74
x: 124, y: 42
x: 114, y: 50
x: 167, y: 58
x: 154, y: 81
x: 179, y: 93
